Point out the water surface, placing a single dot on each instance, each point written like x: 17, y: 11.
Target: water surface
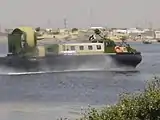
x: 63, y: 94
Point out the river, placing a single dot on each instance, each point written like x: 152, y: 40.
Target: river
x: 64, y: 94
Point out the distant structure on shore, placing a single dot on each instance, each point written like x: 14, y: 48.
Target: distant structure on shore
x: 113, y: 33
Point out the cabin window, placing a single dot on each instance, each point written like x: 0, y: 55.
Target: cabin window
x: 98, y: 47
x: 90, y: 47
x: 72, y: 47
x: 63, y: 48
x: 81, y: 47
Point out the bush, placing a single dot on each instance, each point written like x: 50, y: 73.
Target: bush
x: 74, y: 30
x: 38, y: 29
x: 138, y: 106
x: 55, y: 32
x: 123, y: 38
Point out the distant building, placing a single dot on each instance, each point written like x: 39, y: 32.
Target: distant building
x: 148, y: 34
x: 157, y: 34
x: 134, y: 30
x: 102, y: 28
x: 120, y: 31
x: 8, y: 30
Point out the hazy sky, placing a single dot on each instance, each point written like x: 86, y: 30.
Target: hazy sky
x: 79, y: 13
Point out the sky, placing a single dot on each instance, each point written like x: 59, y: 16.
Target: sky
x: 80, y: 13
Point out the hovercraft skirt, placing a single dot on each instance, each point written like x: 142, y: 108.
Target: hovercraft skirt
x: 62, y: 62
x: 128, y: 59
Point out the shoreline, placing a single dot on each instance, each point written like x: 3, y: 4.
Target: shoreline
x: 3, y: 39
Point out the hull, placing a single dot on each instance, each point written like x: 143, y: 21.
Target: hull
x: 65, y: 62
x: 127, y: 59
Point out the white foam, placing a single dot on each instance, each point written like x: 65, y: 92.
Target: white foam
x: 65, y: 71
x: 23, y: 73
x: 26, y: 73
x: 45, y: 72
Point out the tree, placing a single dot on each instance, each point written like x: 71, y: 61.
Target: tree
x: 38, y: 29
x: 74, y: 29
x: 123, y: 38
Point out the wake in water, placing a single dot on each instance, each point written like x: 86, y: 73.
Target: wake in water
x: 87, y: 66
x: 65, y: 71
x: 116, y: 70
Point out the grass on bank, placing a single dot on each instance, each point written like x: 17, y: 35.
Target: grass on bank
x: 136, y: 106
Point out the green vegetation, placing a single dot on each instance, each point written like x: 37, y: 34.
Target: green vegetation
x: 38, y: 29
x: 74, y: 30
x: 138, y: 106
x: 123, y: 38
x: 55, y: 33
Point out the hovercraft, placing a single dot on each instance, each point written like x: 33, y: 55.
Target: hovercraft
x: 25, y: 53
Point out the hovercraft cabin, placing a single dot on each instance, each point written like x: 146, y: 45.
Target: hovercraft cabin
x: 75, y: 48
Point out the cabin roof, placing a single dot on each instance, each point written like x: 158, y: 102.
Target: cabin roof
x: 83, y: 43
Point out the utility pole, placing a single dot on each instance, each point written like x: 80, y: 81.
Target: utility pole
x: 90, y: 16
x: 145, y: 24
x: 65, y: 23
x: 0, y: 27
x: 150, y: 25
x: 49, y: 23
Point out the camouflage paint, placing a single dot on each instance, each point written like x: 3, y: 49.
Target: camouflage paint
x: 15, y: 42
